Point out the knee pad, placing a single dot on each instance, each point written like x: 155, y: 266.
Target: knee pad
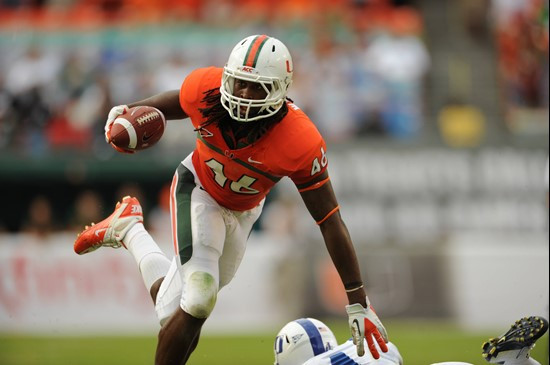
x: 201, y: 293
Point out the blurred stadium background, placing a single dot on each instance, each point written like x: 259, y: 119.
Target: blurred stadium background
x: 436, y: 117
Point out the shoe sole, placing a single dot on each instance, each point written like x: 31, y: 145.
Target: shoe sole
x: 523, y: 333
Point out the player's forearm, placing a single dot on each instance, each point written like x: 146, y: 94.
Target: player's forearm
x: 167, y: 102
x: 340, y: 248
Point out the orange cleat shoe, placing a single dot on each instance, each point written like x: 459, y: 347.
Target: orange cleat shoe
x: 110, y: 231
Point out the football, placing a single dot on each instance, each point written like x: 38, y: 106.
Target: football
x: 139, y: 128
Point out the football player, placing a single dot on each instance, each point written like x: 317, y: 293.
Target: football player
x: 249, y: 136
x: 308, y: 341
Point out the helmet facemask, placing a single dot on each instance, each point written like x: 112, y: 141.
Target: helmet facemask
x: 254, y: 109
x: 263, y: 60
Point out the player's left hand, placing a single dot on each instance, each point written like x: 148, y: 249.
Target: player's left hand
x: 364, y: 325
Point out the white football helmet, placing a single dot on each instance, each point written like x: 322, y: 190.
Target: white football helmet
x: 260, y: 59
x: 302, y: 339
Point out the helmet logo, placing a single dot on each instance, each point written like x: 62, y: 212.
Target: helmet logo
x: 248, y: 69
x: 288, y: 67
x: 253, y: 52
x: 297, y: 338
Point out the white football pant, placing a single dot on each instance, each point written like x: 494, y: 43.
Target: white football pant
x: 209, y: 241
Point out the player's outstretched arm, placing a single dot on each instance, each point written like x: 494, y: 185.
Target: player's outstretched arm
x: 364, y: 323
x: 167, y: 102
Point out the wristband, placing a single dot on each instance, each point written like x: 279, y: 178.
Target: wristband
x: 354, y: 286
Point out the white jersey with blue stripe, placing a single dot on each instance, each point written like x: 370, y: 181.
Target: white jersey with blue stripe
x: 346, y: 354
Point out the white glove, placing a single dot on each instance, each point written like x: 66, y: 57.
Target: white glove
x: 113, y: 114
x: 365, y: 324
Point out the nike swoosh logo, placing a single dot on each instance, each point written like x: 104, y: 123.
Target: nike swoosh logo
x: 147, y: 137
x: 254, y: 161
x: 98, y: 231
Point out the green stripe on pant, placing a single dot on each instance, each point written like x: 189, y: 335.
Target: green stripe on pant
x: 184, y: 188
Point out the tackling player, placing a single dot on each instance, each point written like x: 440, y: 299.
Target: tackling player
x: 249, y: 136
x: 308, y: 341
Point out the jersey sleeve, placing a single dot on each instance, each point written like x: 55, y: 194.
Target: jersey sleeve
x: 193, y: 88
x: 309, y: 155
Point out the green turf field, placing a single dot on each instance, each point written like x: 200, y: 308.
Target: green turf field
x: 420, y: 343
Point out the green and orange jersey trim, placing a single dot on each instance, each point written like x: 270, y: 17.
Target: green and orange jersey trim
x: 253, y: 52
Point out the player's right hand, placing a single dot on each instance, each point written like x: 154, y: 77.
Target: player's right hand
x: 113, y: 114
x: 364, y: 325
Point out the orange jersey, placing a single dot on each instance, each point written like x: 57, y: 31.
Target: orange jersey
x: 239, y: 179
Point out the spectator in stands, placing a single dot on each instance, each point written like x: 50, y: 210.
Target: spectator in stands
x: 66, y: 88
x: 39, y: 221
x: 27, y: 81
x: 87, y: 208
x: 7, y: 117
x: 522, y: 39
x: 332, y: 96
x: 401, y: 60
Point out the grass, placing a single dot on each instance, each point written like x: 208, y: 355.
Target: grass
x: 420, y: 343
